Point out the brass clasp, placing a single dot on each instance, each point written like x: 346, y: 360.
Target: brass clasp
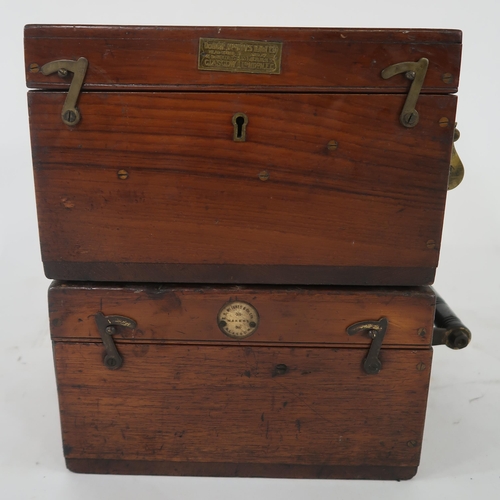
x: 414, y: 71
x: 376, y: 331
x: 107, y: 327
x: 70, y: 114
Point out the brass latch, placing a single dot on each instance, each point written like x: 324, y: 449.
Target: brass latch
x: 69, y: 114
x: 414, y: 71
x: 107, y: 326
x: 376, y: 331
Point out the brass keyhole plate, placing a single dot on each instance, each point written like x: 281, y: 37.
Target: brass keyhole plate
x: 238, y: 319
x: 240, y: 122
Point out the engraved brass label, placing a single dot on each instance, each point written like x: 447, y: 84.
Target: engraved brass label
x: 240, y: 56
x: 238, y: 319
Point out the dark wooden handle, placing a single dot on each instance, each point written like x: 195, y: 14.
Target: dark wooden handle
x: 448, y: 328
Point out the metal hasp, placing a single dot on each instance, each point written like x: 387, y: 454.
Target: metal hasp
x: 107, y: 326
x: 414, y: 71
x: 70, y: 114
x: 448, y: 329
x: 457, y: 170
x: 376, y: 331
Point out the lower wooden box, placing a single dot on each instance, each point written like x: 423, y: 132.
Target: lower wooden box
x: 295, y: 398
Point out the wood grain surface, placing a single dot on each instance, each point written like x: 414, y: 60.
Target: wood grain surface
x: 314, y: 59
x: 166, y: 313
x: 228, y: 469
x: 180, y: 403
x: 193, y: 196
x: 234, y: 273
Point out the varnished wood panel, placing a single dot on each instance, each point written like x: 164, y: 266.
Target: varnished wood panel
x: 313, y: 59
x: 287, y: 314
x: 234, y: 274
x: 136, y: 467
x: 193, y: 195
x: 227, y: 404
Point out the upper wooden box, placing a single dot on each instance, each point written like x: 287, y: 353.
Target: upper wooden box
x: 241, y: 155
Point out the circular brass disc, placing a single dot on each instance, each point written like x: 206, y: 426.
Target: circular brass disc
x: 238, y: 319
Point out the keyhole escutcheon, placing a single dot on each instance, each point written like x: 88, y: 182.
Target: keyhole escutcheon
x: 240, y: 122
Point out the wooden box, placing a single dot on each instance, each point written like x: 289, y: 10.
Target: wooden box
x: 313, y: 382
x: 241, y: 155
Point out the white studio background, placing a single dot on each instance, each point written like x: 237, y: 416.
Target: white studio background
x: 461, y: 450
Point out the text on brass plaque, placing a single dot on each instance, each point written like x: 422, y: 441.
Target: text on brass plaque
x: 238, y: 319
x: 240, y: 56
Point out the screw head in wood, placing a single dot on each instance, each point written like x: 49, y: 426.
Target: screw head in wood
x: 444, y: 122
x: 264, y: 175
x: 333, y: 145
x: 421, y: 332
x: 280, y: 369
x: 447, y: 78
x: 412, y: 444
x: 122, y: 174
x: 421, y: 367
x: 431, y: 244
x: 34, y: 68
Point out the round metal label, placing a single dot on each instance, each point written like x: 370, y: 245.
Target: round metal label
x: 238, y: 319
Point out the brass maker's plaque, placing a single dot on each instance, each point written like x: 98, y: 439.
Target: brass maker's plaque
x: 238, y: 319
x: 240, y: 56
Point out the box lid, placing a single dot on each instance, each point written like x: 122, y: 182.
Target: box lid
x: 319, y: 316
x: 247, y: 58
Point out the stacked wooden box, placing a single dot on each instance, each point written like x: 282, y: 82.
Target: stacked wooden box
x: 243, y: 224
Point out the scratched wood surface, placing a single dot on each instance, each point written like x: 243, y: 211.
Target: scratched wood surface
x: 362, y: 213
x: 198, y: 404
x: 166, y: 313
x: 321, y: 60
